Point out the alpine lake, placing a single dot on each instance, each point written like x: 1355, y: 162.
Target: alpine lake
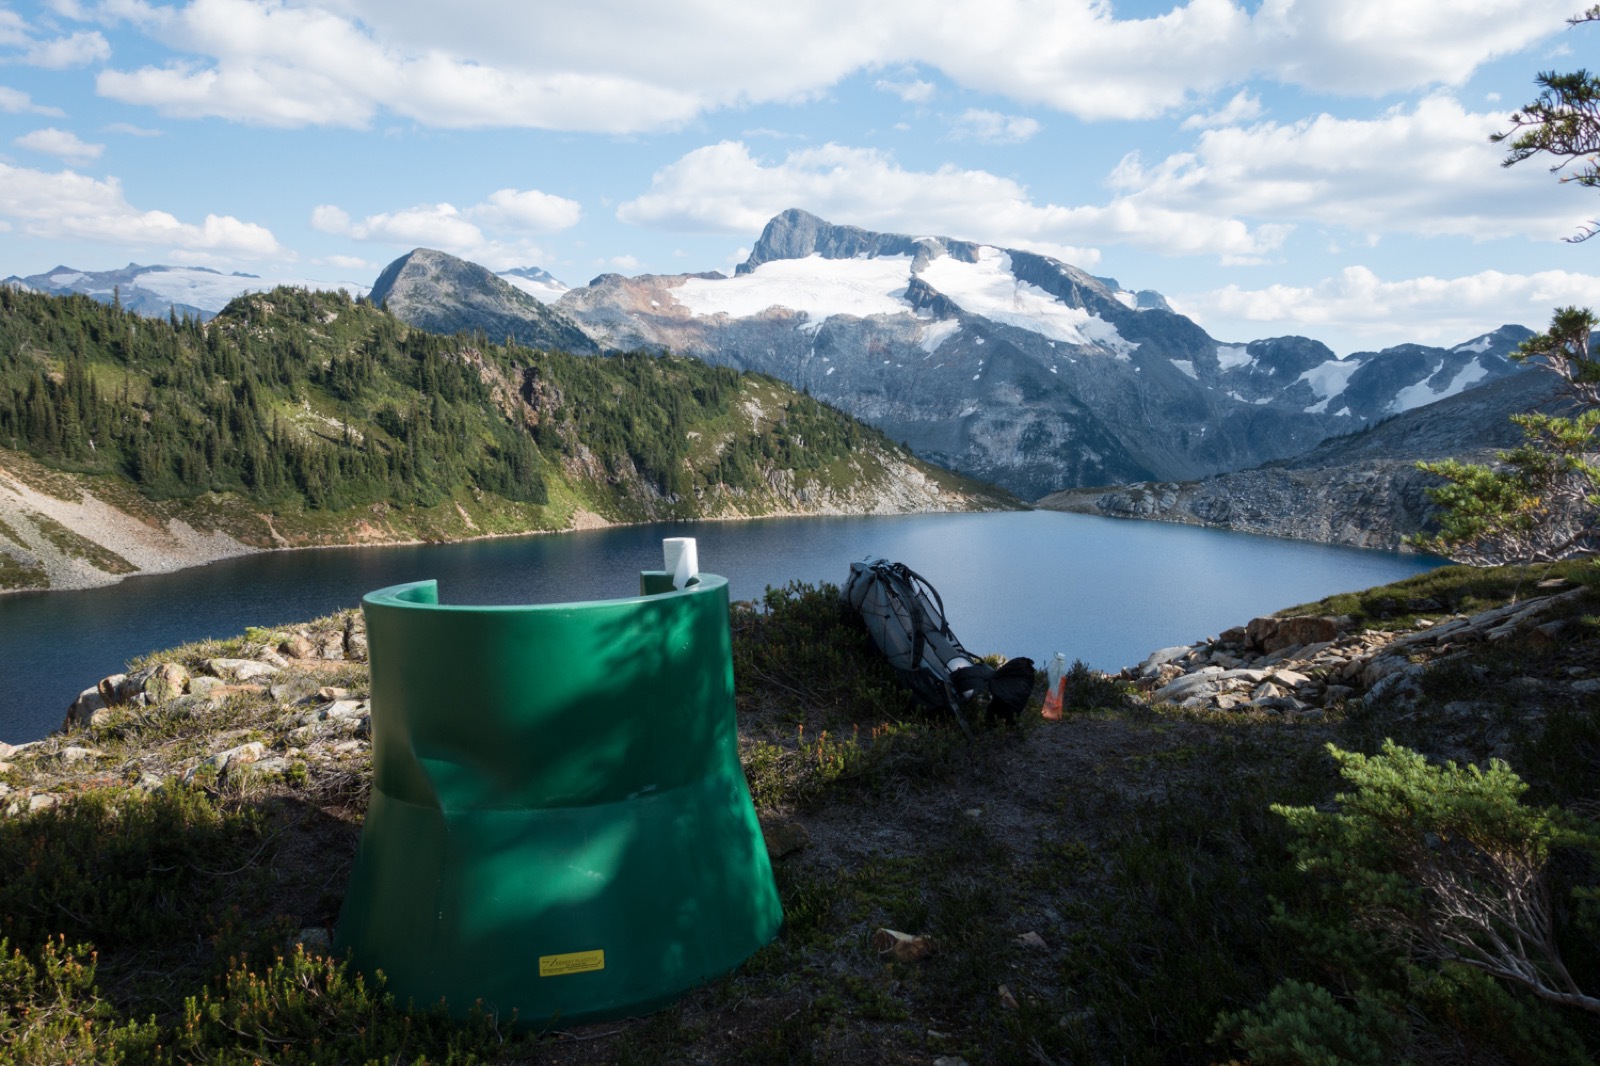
x: 1106, y: 591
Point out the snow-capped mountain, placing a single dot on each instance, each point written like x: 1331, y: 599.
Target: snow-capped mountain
x: 1001, y: 363
x: 1364, y: 386
x: 1013, y: 366
x: 158, y: 290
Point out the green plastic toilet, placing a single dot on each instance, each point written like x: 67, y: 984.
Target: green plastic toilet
x: 559, y: 826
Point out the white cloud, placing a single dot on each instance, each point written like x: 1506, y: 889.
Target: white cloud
x: 13, y: 29
x: 131, y: 130
x: 347, y: 262
x: 432, y: 225
x: 912, y: 91
x: 1244, y: 107
x: 1427, y: 170
x: 61, y: 53
x: 722, y: 188
x: 62, y: 144
x: 991, y: 127
x: 631, y: 65
x: 15, y: 102
x: 528, y: 209
x: 1357, y: 309
x: 451, y: 229
x: 70, y: 205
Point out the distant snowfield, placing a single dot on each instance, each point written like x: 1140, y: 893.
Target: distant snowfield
x: 861, y: 287
x: 1422, y: 392
x: 817, y: 286
x: 207, y: 290
x: 546, y: 292
x: 988, y: 288
x: 1329, y: 379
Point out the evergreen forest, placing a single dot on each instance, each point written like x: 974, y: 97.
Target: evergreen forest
x: 311, y: 402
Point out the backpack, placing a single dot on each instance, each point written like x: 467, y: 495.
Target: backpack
x: 905, y: 618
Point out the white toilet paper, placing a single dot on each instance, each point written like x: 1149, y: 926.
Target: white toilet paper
x: 682, y: 561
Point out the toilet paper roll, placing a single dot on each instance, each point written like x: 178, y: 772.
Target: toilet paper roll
x: 683, y: 563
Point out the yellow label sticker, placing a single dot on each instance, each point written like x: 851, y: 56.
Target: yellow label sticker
x: 572, y: 962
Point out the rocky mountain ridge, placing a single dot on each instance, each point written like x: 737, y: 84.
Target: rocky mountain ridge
x: 443, y: 294
x: 1362, y: 490
x: 1000, y: 363
x: 1013, y: 366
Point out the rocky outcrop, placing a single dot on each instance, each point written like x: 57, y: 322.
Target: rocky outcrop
x: 1363, y: 490
x: 1369, y: 505
x: 298, y: 694
x: 1306, y: 666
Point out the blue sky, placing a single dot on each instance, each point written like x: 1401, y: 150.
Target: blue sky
x: 1318, y: 167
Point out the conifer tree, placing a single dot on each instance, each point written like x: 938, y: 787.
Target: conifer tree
x: 1542, y: 501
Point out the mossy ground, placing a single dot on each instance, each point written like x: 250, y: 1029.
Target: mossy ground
x: 1134, y: 843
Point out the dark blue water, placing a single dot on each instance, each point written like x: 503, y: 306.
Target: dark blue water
x: 1030, y: 583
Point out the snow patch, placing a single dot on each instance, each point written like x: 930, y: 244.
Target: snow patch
x: 988, y: 288
x: 817, y: 286
x: 1330, y: 378
x: 936, y: 333
x: 1423, y: 392
x: 547, y: 291
x: 1187, y: 366
x: 1478, y: 346
x: 1127, y: 299
x: 1233, y: 356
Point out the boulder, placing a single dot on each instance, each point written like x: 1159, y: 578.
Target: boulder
x: 239, y: 669
x: 1310, y: 629
x: 297, y: 647
x: 1202, y: 681
x: 111, y: 691
x: 205, y: 686
x: 163, y: 682
x: 81, y: 712
x: 355, y: 638
x: 1157, y: 659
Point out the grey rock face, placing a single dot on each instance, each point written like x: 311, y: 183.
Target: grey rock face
x: 1363, y: 489
x: 1083, y: 384
x: 442, y: 294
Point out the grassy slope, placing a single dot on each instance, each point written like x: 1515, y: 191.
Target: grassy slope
x: 1134, y: 842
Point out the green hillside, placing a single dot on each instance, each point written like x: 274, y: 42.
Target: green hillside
x: 304, y: 417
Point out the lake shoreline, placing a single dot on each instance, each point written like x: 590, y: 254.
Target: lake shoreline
x: 585, y: 521
x: 1014, y: 582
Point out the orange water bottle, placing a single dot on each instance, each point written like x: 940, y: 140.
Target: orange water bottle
x: 1056, y: 693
